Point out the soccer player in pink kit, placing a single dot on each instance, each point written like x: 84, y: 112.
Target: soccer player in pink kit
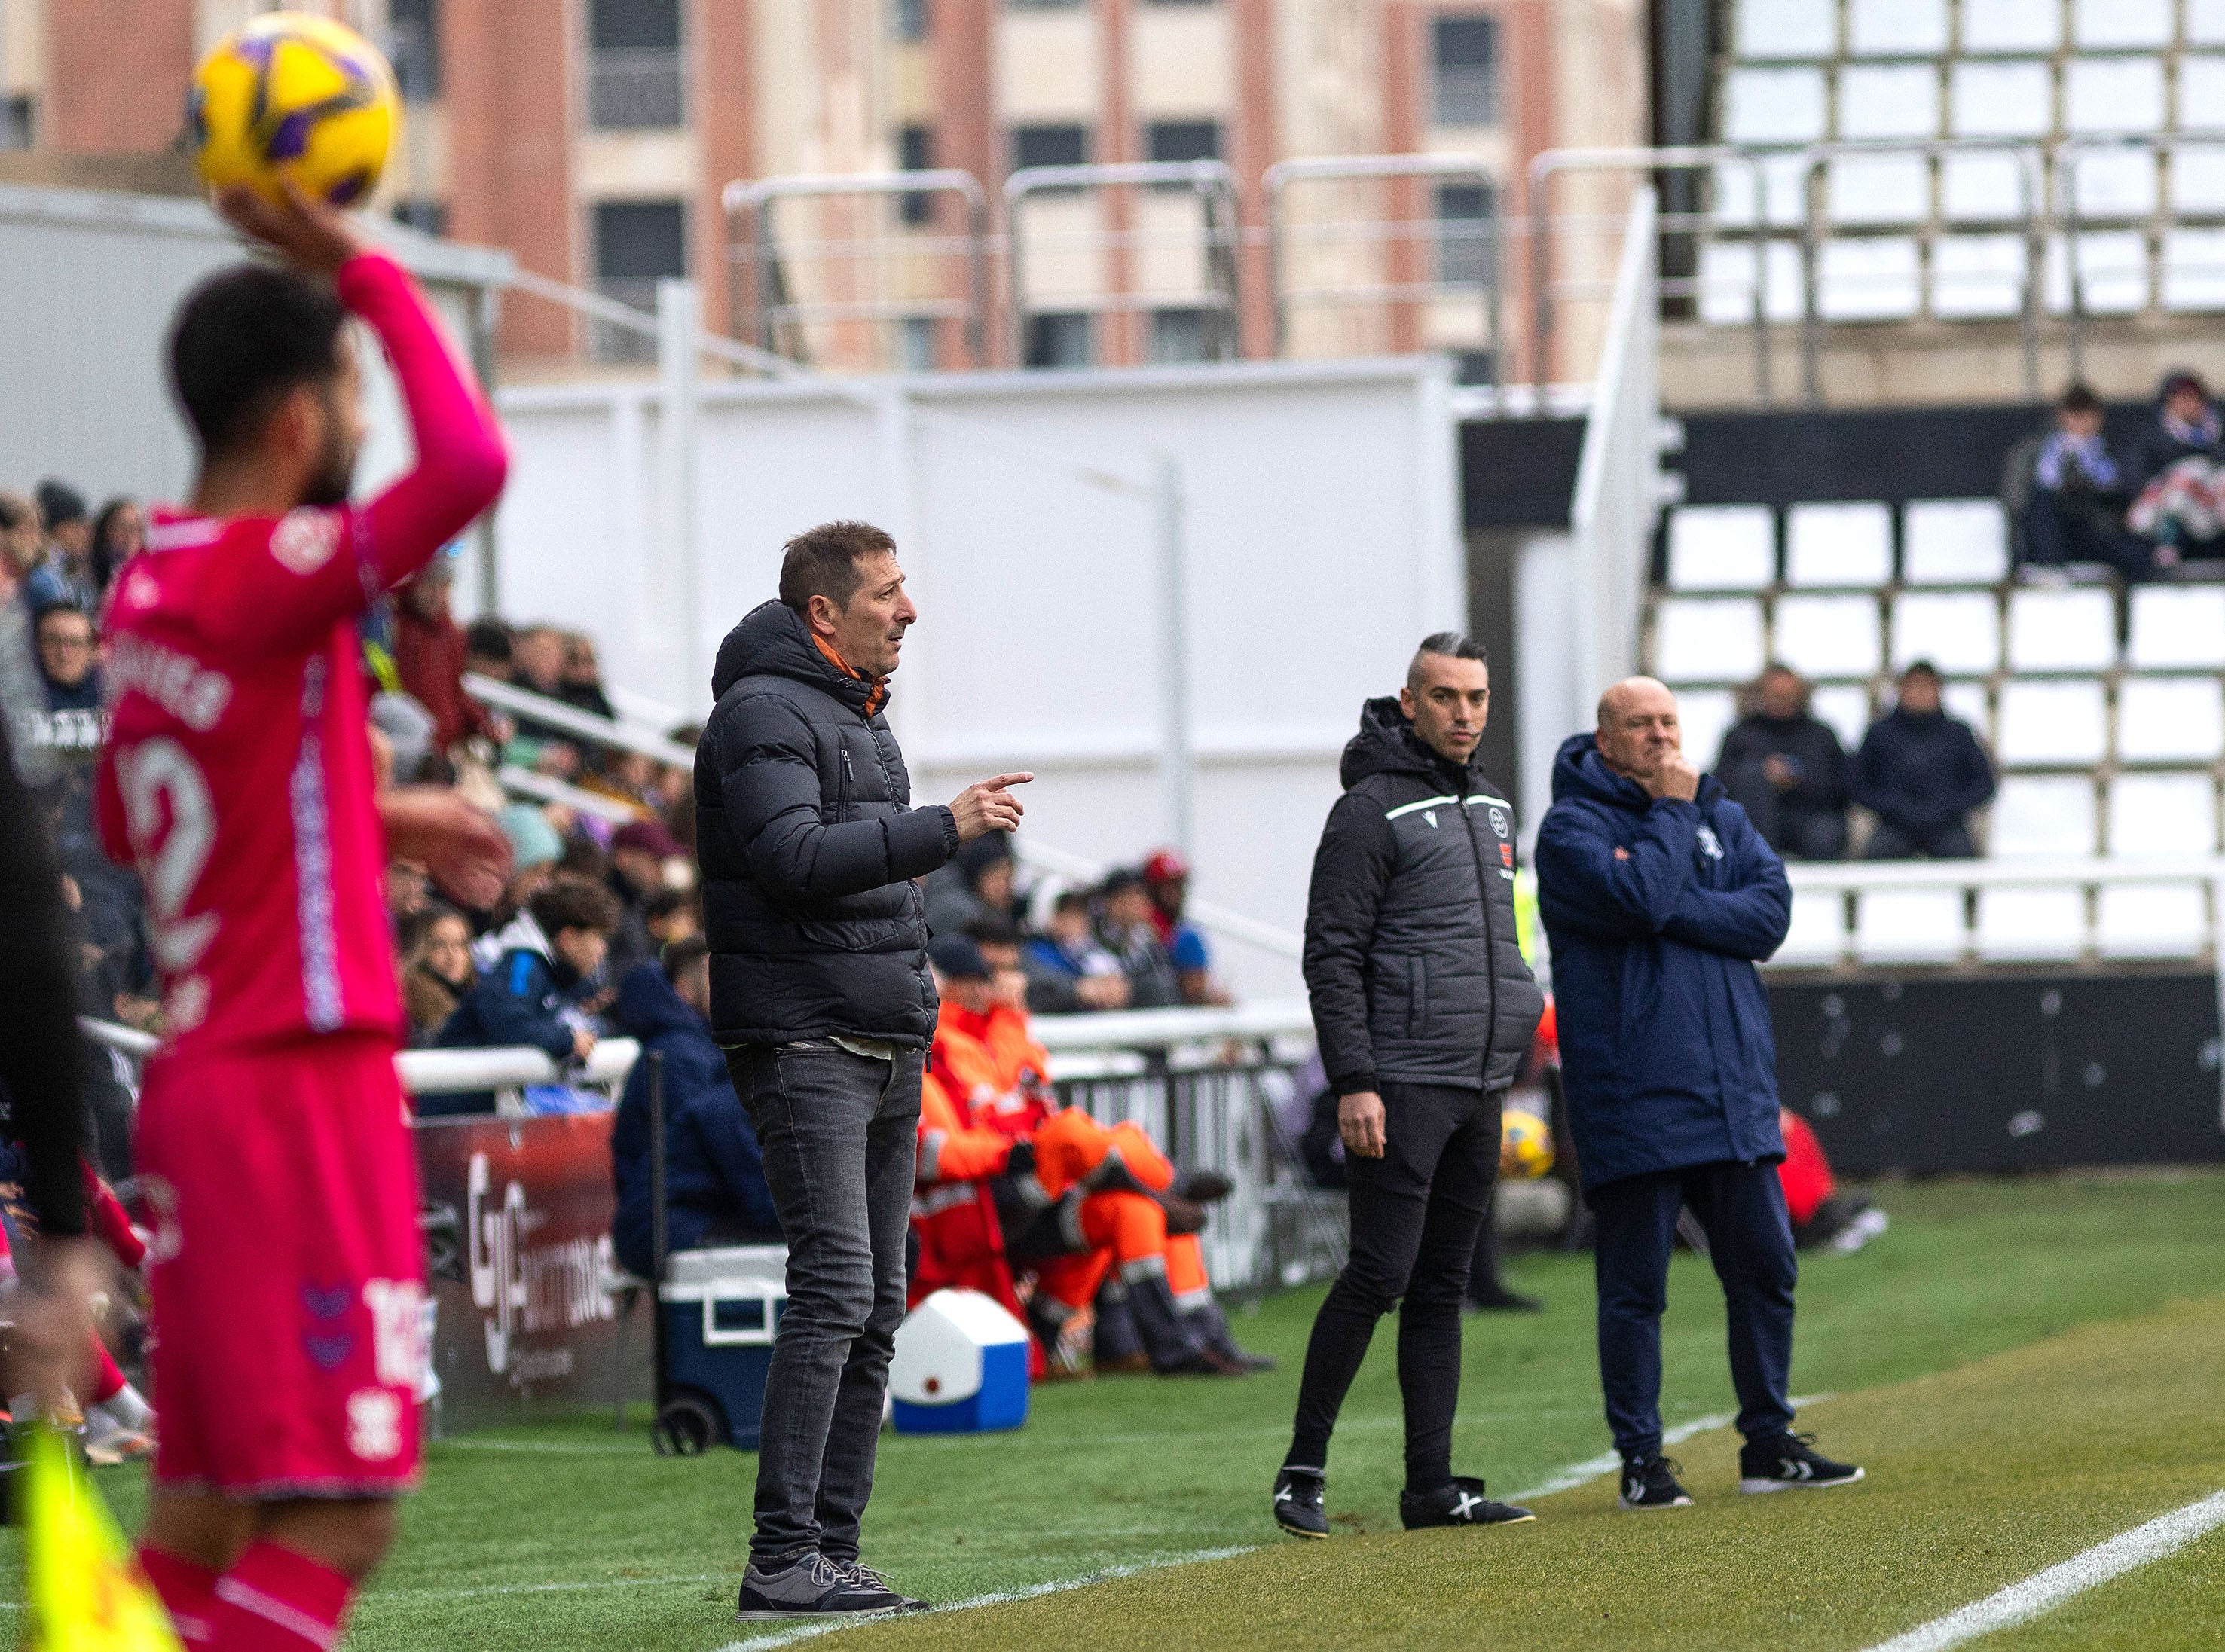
x: 273, y: 1133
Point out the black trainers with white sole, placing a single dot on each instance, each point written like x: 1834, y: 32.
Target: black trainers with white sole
x: 1788, y: 1462
x: 1650, y: 1483
x: 1460, y: 1502
x: 1298, y: 1503
x: 811, y: 1586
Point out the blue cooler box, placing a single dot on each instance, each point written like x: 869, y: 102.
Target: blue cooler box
x: 960, y: 1367
x: 721, y: 1311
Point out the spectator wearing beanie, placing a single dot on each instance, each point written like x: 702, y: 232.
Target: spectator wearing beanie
x: 639, y: 849
x: 1921, y: 771
x: 66, y: 574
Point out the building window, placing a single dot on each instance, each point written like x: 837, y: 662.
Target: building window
x: 1061, y: 338
x: 1465, y: 236
x: 1467, y: 71
x: 419, y: 213
x: 1177, y: 336
x: 638, y: 243
x: 908, y: 20
x: 1183, y: 140
x: 1046, y: 5
x: 635, y: 77
x: 1050, y: 146
x: 919, y: 344
x: 916, y: 153
x: 413, y: 46
x: 15, y: 123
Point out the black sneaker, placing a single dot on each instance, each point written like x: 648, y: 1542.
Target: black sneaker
x: 1459, y: 1501
x: 811, y: 1586
x: 865, y: 1578
x: 1651, y: 1483
x: 1787, y: 1461
x: 1298, y: 1503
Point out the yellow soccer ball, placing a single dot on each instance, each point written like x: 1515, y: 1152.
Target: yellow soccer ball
x: 298, y: 97
x: 1525, y: 1146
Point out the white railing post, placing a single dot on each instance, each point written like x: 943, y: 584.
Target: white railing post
x: 679, y: 330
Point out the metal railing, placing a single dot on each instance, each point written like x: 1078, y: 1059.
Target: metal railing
x: 426, y: 1073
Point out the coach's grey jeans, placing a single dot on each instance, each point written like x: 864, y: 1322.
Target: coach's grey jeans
x: 840, y: 1135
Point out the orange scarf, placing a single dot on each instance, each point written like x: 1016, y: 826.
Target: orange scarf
x: 877, y: 693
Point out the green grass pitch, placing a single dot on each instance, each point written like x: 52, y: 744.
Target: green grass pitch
x: 2026, y: 1367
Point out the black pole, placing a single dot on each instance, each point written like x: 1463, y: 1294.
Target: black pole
x: 658, y: 1237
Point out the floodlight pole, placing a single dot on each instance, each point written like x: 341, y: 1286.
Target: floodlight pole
x: 1177, y: 759
x: 679, y: 327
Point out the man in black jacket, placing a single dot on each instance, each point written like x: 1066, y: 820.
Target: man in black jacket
x: 821, y: 998
x: 1425, y: 1011
x: 1921, y: 772
x: 1784, y: 766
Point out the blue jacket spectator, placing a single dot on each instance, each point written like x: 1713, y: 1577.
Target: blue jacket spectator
x: 714, y: 1185
x: 1657, y: 910
x: 551, y: 960
x: 2075, y: 511
x: 1921, y: 771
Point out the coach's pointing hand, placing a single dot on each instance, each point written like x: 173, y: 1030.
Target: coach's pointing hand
x: 1359, y: 1121
x: 986, y: 806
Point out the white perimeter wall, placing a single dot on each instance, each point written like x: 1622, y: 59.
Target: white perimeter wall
x: 1321, y: 543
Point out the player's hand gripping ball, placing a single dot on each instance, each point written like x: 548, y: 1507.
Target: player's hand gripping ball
x: 1525, y: 1146
x: 297, y: 97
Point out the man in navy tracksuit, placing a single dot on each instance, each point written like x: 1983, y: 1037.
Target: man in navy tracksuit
x: 1659, y: 898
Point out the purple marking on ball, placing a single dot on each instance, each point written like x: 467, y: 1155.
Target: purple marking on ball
x: 291, y: 139
x: 342, y: 193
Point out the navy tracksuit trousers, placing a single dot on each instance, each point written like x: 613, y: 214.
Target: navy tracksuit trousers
x: 1741, y: 1206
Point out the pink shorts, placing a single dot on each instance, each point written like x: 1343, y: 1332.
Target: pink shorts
x: 287, y: 1272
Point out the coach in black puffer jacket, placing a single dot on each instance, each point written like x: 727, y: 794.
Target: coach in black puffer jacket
x: 810, y: 844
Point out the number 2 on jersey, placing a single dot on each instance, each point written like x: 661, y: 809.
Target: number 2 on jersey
x: 161, y: 783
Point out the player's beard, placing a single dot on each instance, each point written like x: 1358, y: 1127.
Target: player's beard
x: 335, y: 473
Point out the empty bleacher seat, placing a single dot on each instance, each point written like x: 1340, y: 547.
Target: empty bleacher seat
x: 2031, y: 924
x: 1773, y: 106
x: 2052, y: 725
x: 2116, y: 24
x: 1846, y: 546
x: 2171, y: 719
x: 1818, y: 931
x: 1987, y: 186
x: 1708, y: 639
x: 2010, y: 26
x: 2176, y: 628
x: 2012, y: 97
x: 1722, y: 548
x: 2205, y: 22
x: 2152, y: 921
x: 2112, y: 272
x: 1868, y: 278
x: 1846, y: 707
x: 1896, y: 27
x: 1878, y: 100
x: 1979, y: 276
x: 2112, y: 94
x: 1795, y: 29
x: 2041, y: 815
x: 2201, y: 93
x: 1829, y: 637
x: 1959, y: 631
x: 1920, y: 926
x: 1706, y: 715
x: 2163, y: 814
x: 2193, y: 273
x: 2113, y: 183
x: 1727, y: 282
x: 1878, y: 189
x: 1974, y: 702
x: 1954, y: 542
x: 2196, y: 172
x: 2062, y: 630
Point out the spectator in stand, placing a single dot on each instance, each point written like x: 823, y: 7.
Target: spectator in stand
x: 672, y: 914
x: 435, y: 949
x: 537, y: 657
x: 535, y: 850
x: 1921, y: 772
x: 1068, y: 971
x: 976, y: 884
x: 2074, y: 510
x: 2177, y: 473
x: 581, y: 681
x: 639, y: 850
x: 2185, y: 426
x: 1786, y: 769
x: 488, y: 650
x: 1166, y: 880
x: 65, y: 575
x: 551, y: 962
x: 406, y: 891
x: 119, y: 533
x: 429, y: 654
x: 714, y: 1185
x: 74, y: 722
x: 1125, y: 925
x: 22, y: 545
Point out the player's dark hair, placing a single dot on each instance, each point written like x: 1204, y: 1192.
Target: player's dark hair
x: 575, y: 903
x: 1450, y: 645
x: 682, y: 955
x: 823, y: 562
x: 244, y: 339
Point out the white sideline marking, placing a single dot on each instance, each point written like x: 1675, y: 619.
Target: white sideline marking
x: 1607, y: 1462
x: 1001, y: 1597
x: 2042, y: 1591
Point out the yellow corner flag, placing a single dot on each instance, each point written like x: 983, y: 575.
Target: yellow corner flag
x: 85, y: 1593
